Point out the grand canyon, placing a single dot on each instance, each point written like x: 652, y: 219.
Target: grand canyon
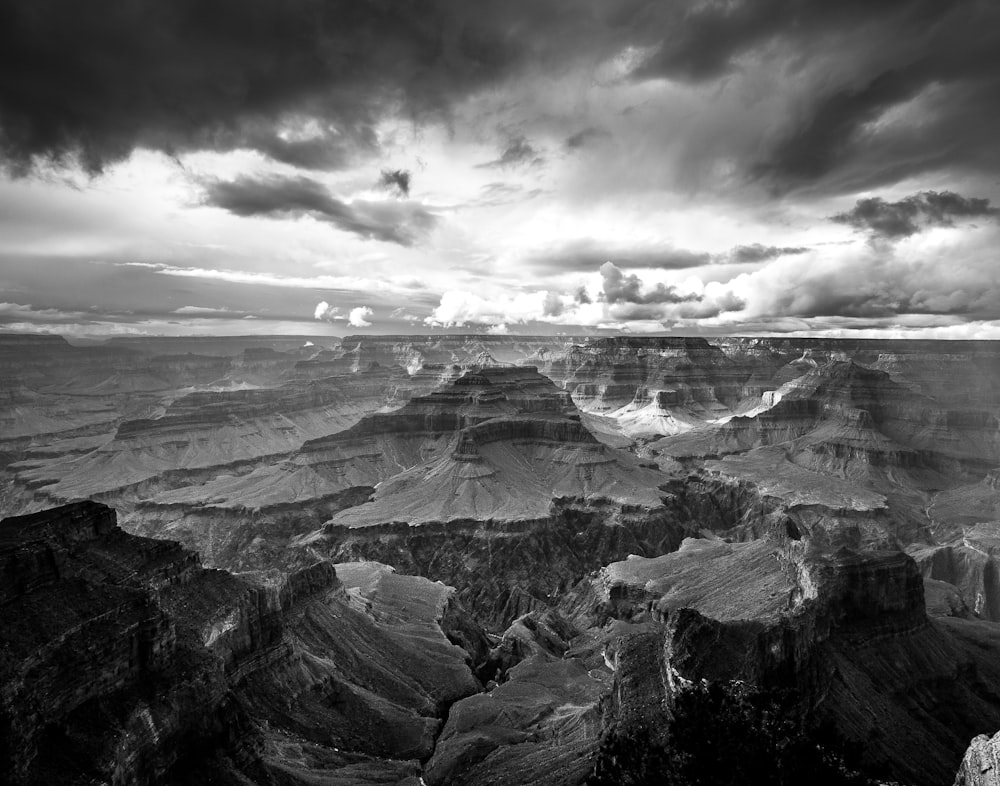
x: 487, y: 559
x: 499, y: 393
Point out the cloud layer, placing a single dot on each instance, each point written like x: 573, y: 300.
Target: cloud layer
x: 891, y: 220
x: 713, y: 165
x: 390, y: 221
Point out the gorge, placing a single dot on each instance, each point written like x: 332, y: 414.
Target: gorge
x: 457, y: 559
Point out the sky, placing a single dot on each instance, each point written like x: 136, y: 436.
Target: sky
x: 748, y: 167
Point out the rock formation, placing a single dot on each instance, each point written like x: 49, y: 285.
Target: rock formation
x: 123, y: 660
x: 484, y: 559
x: 981, y: 763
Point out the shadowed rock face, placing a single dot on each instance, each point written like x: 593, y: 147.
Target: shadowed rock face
x: 124, y: 660
x: 970, y: 566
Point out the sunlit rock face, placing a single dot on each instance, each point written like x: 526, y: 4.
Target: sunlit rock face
x: 652, y: 386
x: 981, y: 764
x: 414, y: 352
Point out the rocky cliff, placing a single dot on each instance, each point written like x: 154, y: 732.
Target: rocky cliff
x: 619, y: 520
x: 981, y: 763
x: 123, y: 660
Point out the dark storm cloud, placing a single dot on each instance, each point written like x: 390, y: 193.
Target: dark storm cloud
x: 218, y: 74
x: 277, y: 197
x: 893, y: 220
x: 944, y: 55
x: 700, y: 41
x: 811, y: 150
x: 869, y: 58
x: 395, y: 180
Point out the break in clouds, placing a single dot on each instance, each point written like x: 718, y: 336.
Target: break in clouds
x: 612, y: 165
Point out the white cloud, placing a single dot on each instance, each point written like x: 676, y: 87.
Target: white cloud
x: 325, y: 311
x: 359, y: 317
x: 265, y: 279
x: 459, y: 308
x: 498, y: 330
x: 356, y: 317
x: 196, y: 311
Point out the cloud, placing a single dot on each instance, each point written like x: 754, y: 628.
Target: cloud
x: 403, y: 223
x: 325, y: 311
x: 359, y: 317
x: 894, y: 220
x: 356, y: 317
x: 579, y: 255
x: 498, y: 330
x: 222, y: 74
x: 904, y: 280
x: 459, y: 307
x: 623, y: 302
x: 397, y: 180
x: 812, y: 149
x: 584, y: 137
x: 755, y: 252
x: 340, y: 283
x: 207, y: 312
x: 225, y: 74
x: 899, y: 89
x: 518, y: 152
x: 310, y: 83
x: 585, y: 255
x: 554, y: 305
x: 11, y: 313
x: 620, y: 288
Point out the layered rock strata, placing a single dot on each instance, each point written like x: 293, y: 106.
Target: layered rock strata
x: 123, y: 660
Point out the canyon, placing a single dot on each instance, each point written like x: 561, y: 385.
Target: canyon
x: 457, y: 559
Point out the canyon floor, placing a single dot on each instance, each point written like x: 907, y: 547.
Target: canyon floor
x: 499, y: 559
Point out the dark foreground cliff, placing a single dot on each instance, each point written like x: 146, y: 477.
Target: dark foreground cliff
x: 124, y: 661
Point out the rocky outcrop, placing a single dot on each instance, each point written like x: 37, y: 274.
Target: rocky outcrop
x: 981, y: 763
x: 413, y: 352
x: 123, y: 660
x: 687, y: 377
x: 541, y: 726
x: 85, y: 629
x: 846, y: 631
x: 503, y: 569
x: 472, y: 444
x: 971, y: 565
